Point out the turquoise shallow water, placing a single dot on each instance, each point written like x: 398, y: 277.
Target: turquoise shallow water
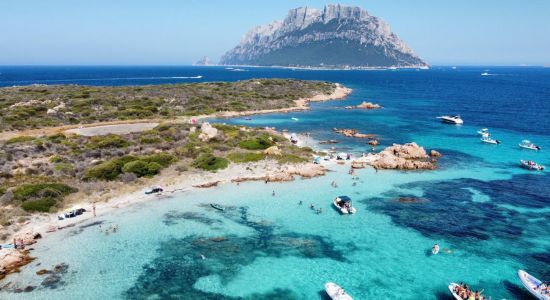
x: 492, y: 215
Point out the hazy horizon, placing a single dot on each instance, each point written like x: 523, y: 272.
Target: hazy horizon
x: 175, y: 33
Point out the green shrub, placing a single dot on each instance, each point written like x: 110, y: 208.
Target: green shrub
x: 108, y: 170
x: 259, y: 143
x: 192, y: 149
x: 107, y: 141
x: 57, y: 138
x: 40, y: 205
x: 20, y: 139
x: 154, y: 168
x: 210, y: 162
x: 162, y: 159
x: 63, y: 167
x: 56, y: 159
x: 142, y: 168
x: 149, y: 140
x: 242, y: 157
x: 25, y: 192
x: 290, y: 159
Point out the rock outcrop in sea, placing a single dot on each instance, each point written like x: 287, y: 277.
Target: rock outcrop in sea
x: 335, y: 37
x: 409, y: 156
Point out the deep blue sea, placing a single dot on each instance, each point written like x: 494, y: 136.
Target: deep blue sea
x: 491, y: 216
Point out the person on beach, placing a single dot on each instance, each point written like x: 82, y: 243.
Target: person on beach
x: 93, y: 208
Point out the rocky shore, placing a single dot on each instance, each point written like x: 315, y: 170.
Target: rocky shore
x: 353, y: 133
x: 409, y: 156
x: 364, y: 105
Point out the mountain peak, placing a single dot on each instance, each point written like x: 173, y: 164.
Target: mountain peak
x: 336, y: 36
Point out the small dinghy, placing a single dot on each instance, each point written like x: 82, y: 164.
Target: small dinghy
x: 525, y: 144
x: 217, y: 206
x: 344, y: 205
x: 489, y: 140
x: 295, y: 119
x: 456, y: 291
x: 531, y: 165
x: 335, y: 292
x: 532, y: 284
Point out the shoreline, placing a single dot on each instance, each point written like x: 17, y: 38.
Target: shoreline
x: 40, y: 225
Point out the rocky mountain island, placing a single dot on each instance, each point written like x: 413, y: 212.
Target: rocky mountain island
x: 335, y: 37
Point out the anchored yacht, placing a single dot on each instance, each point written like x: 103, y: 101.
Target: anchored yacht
x: 451, y: 119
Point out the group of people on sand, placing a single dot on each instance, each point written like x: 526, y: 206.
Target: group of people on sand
x: 464, y: 292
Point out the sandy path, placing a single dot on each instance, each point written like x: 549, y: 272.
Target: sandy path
x: 113, y: 129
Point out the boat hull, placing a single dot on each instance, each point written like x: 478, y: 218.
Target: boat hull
x: 452, y: 289
x: 530, y: 283
x: 342, y: 210
x: 335, y: 292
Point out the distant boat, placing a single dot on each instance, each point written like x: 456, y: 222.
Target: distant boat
x: 488, y: 140
x: 248, y: 118
x: 485, y: 74
x: 344, y: 205
x: 295, y: 119
x: 217, y: 206
x: 531, y: 284
x: 525, y: 144
x: 484, y: 132
x: 335, y: 292
x: 530, y: 165
x: 451, y: 119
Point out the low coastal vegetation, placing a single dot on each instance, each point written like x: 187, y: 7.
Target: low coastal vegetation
x: 52, y: 105
x: 45, y: 173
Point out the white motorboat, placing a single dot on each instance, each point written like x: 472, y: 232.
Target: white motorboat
x: 484, y: 132
x: 452, y: 288
x: 295, y: 119
x: 335, y: 292
x: 489, y: 140
x: 531, y: 165
x: 525, y: 144
x: 532, y: 285
x: 344, y: 205
x: 451, y: 119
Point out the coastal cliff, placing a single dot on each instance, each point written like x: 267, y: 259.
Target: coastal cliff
x: 336, y: 36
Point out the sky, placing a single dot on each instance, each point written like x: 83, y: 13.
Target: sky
x: 180, y: 32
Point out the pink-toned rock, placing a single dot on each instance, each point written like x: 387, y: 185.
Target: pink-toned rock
x: 368, y: 105
x: 403, y: 157
x: 12, y: 259
x: 434, y: 153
